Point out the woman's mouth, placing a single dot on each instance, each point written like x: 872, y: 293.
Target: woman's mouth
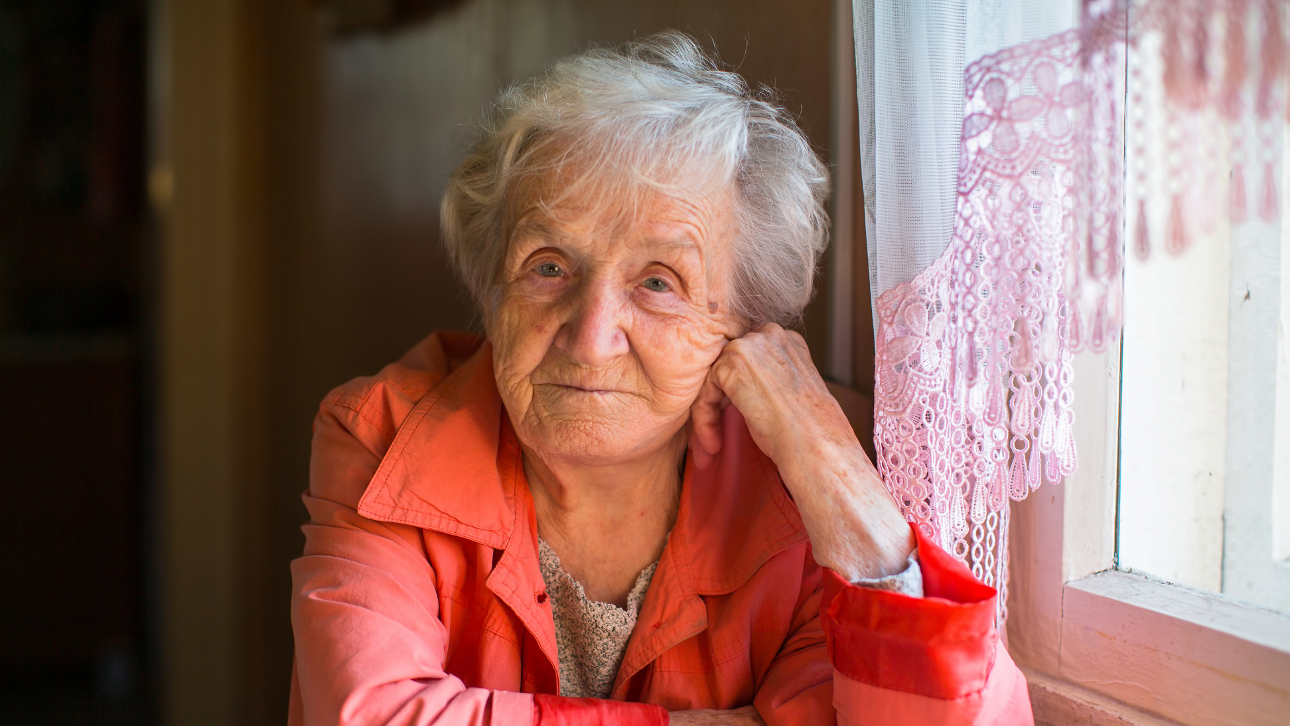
x: 582, y: 389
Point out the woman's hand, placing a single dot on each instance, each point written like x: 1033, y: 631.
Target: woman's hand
x: 746, y: 716
x: 855, y: 528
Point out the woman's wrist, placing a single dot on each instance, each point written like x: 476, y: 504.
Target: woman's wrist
x: 855, y: 527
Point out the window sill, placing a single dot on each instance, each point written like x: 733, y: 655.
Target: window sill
x: 1060, y: 703
x: 1181, y: 653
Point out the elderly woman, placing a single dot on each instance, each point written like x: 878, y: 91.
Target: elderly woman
x: 635, y: 500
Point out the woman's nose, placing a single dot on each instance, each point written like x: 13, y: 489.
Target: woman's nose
x: 595, y: 334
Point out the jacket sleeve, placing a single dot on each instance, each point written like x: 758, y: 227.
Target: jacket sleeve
x: 370, y: 647
x: 934, y: 660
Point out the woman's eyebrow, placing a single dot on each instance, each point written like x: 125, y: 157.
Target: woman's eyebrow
x: 531, y: 224
x: 680, y: 243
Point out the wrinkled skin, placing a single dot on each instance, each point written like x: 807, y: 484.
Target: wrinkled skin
x: 613, y: 348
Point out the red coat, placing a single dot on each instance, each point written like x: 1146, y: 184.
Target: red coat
x: 419, y: 600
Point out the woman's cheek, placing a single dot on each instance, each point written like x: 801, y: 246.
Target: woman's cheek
x: 696, y: 329
x: 677, y: 352
x: 704, y: 337
x: 521, y: 335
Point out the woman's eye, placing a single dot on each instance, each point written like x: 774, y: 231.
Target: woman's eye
x: 549, y: 269
x: 657, y: 285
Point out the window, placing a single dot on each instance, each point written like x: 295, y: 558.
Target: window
x: 1205, y: 417
x: 1155, y: 582
x: 1204, y: 495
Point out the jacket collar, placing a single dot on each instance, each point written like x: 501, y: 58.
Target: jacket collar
x: 442, y: 471
x: 734, y: 516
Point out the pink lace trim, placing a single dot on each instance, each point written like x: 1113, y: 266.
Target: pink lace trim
x: 973, y: 390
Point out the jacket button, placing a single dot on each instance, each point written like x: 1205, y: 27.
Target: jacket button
x: 541, y: 598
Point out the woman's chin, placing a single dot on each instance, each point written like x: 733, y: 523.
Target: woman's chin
x: 595, y: 442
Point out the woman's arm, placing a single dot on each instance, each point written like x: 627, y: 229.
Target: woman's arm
x: 895, y: 658
x: 876, y: 657
x: 855, y: 528
x: 746, y: 716
x: 930, y: 660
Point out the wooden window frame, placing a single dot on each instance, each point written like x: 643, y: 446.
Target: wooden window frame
x: 1102, y: 646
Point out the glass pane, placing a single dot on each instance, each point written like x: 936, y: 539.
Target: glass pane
x: 1173, y: 453
x: 1205, y: 402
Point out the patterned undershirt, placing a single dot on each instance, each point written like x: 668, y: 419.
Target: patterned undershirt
x: 591, y: 636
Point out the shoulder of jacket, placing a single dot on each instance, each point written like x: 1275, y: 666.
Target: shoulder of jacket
x: 374, y: 407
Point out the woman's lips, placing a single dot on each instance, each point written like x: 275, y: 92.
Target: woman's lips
x: 582, y: 389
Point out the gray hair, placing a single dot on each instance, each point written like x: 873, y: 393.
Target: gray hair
x: 657, y: 114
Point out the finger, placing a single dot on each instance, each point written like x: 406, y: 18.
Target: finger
x: 702, y: 458
x: 705, y: 415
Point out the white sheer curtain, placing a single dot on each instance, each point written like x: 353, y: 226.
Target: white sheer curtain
x: 941, y: 454
x: 910, y: 59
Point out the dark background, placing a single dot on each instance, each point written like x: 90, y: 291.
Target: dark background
x: 211, y: 213
x: 73, y: 616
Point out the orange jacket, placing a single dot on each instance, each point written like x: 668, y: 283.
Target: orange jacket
x: 419, y: 600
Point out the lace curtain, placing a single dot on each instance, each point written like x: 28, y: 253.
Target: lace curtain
x: 993, y: 136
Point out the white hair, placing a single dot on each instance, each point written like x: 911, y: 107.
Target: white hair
x: 657, y: 114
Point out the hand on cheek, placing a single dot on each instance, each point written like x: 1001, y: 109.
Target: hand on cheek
x: 854, y: 526
x: 769, y: 376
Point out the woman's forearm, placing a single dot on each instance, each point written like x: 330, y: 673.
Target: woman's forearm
x: 856, y: 530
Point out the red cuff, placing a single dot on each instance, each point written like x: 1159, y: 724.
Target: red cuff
x: 560, y: 711
x: 941, y: 646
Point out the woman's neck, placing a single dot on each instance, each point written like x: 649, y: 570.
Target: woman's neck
x: 607, y: 523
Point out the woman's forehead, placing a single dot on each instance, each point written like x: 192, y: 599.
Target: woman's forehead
x: 695, y: 221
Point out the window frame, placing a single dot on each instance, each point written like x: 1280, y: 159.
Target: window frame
x: 1101, y: 645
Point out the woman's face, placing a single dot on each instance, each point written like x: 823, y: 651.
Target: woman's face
x: 604, y: 332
